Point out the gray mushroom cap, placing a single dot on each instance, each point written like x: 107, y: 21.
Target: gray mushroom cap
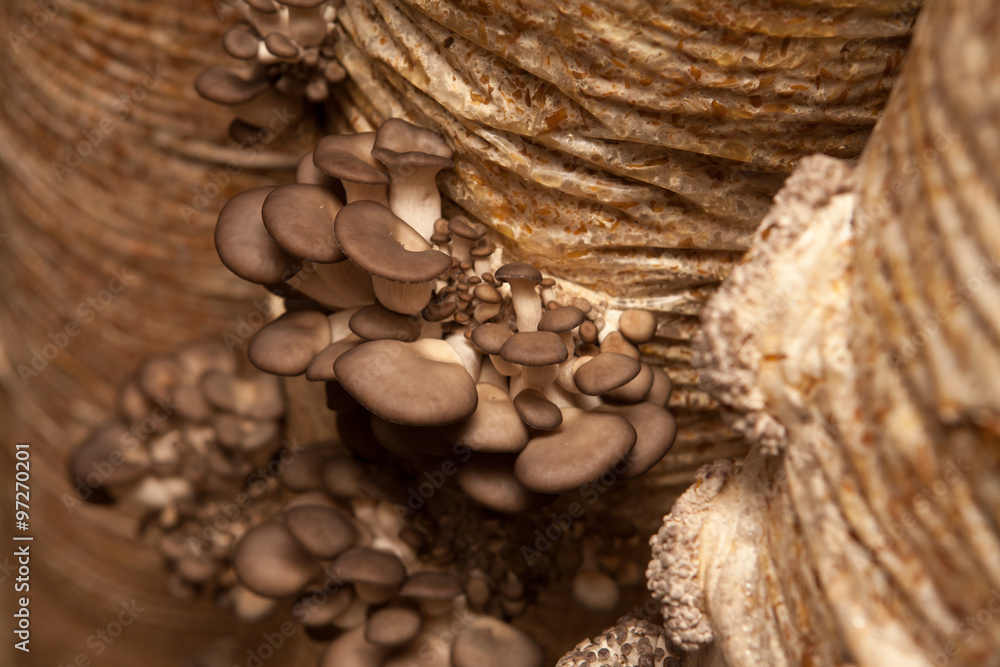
x: 583, y: 447
x: 534, y: 348
x: 606, y: 371
x: 281, y: 46
x: 393, y: 625
x: 518, y: 271
x: 431, y: 585
x: 379, y: 243
x: 637, y: 326
x: 463, y: 227
x: 376, y: 322
x: 245, y: 246
x: 494, y: 427
x: 270, y: 562
x: 564, y: 318
x: 299, y: 217
x: 107, y: 448
x: 491, y: 337
x: 224, y: 85
x: 287, y: 345
x: 369, y: 566
x: 320, y: 368
x: 399, y: 143
x: 655, y: 432
x: 322, y: 531
x: 537, y: 411
x: 404, y: 382
x: 634, y: 390
x: 241, y: 42
x: 489, y: 479
x: 348, y: 158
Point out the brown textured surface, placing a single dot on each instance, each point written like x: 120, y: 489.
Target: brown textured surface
x: 867, y: 517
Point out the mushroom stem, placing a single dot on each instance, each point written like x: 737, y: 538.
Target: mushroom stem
x: 467, y: 351
x: 349, y: 285
x: 414, y: 197
x: 527, y: 305
x: 536, y: 377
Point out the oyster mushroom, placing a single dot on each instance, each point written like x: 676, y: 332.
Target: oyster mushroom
x: 402, y: 264
x: 537, y: 411
x: 605, y: 372
x: 655, y: 432
x: 420, y: 384
x: 489, y: 479
x: 494, y: 427
x: 523, y: 280
x: 270, y: 562
x: 322, y: 531
x: 413, y: 157
x: 347, y: 157
x: 376, y: 575
x: 579, y: 450
x: 538, y: 353
x: 393, y: 625
x: 287, y: 345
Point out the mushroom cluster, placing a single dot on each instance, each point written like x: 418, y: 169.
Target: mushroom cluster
x: 287, y: 49
x: 428, y: 340
x: 631, y: 643
x: 339, y: 552
x: 194, y: 427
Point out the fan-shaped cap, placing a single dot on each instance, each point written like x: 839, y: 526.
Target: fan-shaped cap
x: 399, y: 143
x: 495, y: 426
x: 271, y: 563
x: 245, y: 246
x: 534, y: 348
x: 431, y: 585
x: 537, y: 411
x: 606, y: 371
x: 383, y: 245
x: 393, y: 625
x: 348, y: 157
x: 420, y: 384
x: 376, y: 322
x: 637, y: 326
x: 655, y: 432
x: 299, y: 217
x: 490, y: 338
x: 564, y: 318
x: 322, y: 531
x: 489, y: 480
x: 99, y: 452
x: 282, y: 46
x: 287, y: 345
x: 518, y: 271
x: 242, y: 42
x: 584, y: 446
x: 464, y: 228
x: 369, y: 566
x: 224, y: 85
